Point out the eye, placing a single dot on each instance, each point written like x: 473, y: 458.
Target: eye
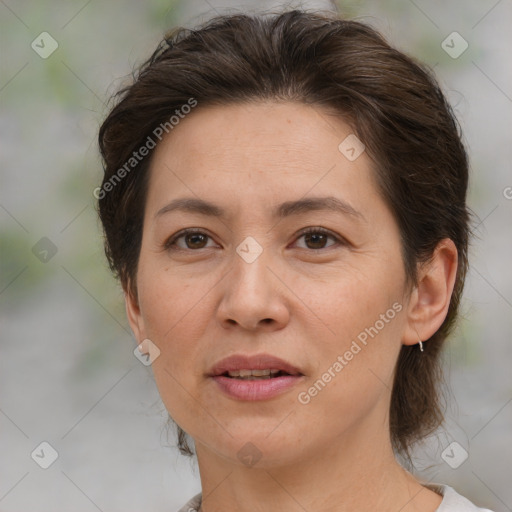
x: 317, y: 238
x: 190, y: 239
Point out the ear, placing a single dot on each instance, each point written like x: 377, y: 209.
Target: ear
x: 430, y: 299
x: 133, y: 313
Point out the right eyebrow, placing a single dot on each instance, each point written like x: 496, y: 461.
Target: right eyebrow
x: 192, y: 205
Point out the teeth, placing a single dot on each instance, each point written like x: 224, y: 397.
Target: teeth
x: 253, y: 373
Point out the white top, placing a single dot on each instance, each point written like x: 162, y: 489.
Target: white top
x: 452, y: 501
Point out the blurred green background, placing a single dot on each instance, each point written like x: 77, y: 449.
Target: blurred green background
x: 67, y: 370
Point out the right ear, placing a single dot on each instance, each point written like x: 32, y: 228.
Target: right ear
x: 133, y: 312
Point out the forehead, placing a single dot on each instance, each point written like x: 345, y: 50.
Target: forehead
x: 279, y: 130
x: 253, y: 151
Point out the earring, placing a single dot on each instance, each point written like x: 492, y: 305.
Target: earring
x: 421, y: 345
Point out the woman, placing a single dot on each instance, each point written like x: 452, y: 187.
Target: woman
x: 284, y: 202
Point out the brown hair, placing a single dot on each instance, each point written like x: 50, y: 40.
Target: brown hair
x: 392, y: 103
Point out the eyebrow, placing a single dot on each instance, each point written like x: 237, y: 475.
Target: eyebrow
x: 286, y: 209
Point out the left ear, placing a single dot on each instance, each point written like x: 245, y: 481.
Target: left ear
x: 430, y: 299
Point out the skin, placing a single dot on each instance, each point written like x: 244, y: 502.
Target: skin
x: 302, y: 302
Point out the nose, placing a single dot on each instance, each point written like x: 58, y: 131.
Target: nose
x: 253, y: 297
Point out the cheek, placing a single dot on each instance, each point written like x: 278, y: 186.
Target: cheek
x: 175, y: 313
x: 357, y: 347
x: 351, y: 299
x: 354, y: 372
x: 173, y: 305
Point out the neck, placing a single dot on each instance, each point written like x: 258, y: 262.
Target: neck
x: 356, y: 472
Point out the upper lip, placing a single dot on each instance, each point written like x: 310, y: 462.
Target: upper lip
x: 254, y: 362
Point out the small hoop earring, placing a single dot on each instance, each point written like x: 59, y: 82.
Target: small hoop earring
x: 421, y: 345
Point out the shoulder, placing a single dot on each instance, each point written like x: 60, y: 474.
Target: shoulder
x: 453, y: 501
x: 192, y: 505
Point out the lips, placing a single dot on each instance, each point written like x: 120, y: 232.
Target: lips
x: 258, y: 377
x: 237, y: 363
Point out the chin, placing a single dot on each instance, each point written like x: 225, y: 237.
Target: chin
x: 255, y: 445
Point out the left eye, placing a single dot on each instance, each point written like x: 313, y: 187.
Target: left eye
x: 316, y: 238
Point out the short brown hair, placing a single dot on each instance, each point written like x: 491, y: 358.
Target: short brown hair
x: 392, y: 103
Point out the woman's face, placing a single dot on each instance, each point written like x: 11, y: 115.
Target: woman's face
x: 331, y: 304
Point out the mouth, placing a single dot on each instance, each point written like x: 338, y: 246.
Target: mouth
x: 258, y: 377
x: 258, y: 366
x: 255, y: 374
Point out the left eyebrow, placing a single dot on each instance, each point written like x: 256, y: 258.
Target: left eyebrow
x: 286, y: 209
x: 330, y: 203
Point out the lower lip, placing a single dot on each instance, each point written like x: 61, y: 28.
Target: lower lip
x: 256, y: 389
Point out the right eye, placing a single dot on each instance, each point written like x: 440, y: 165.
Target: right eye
x: 192, y: 239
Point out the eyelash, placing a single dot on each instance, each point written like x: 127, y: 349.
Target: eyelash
x: 170, y: 243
